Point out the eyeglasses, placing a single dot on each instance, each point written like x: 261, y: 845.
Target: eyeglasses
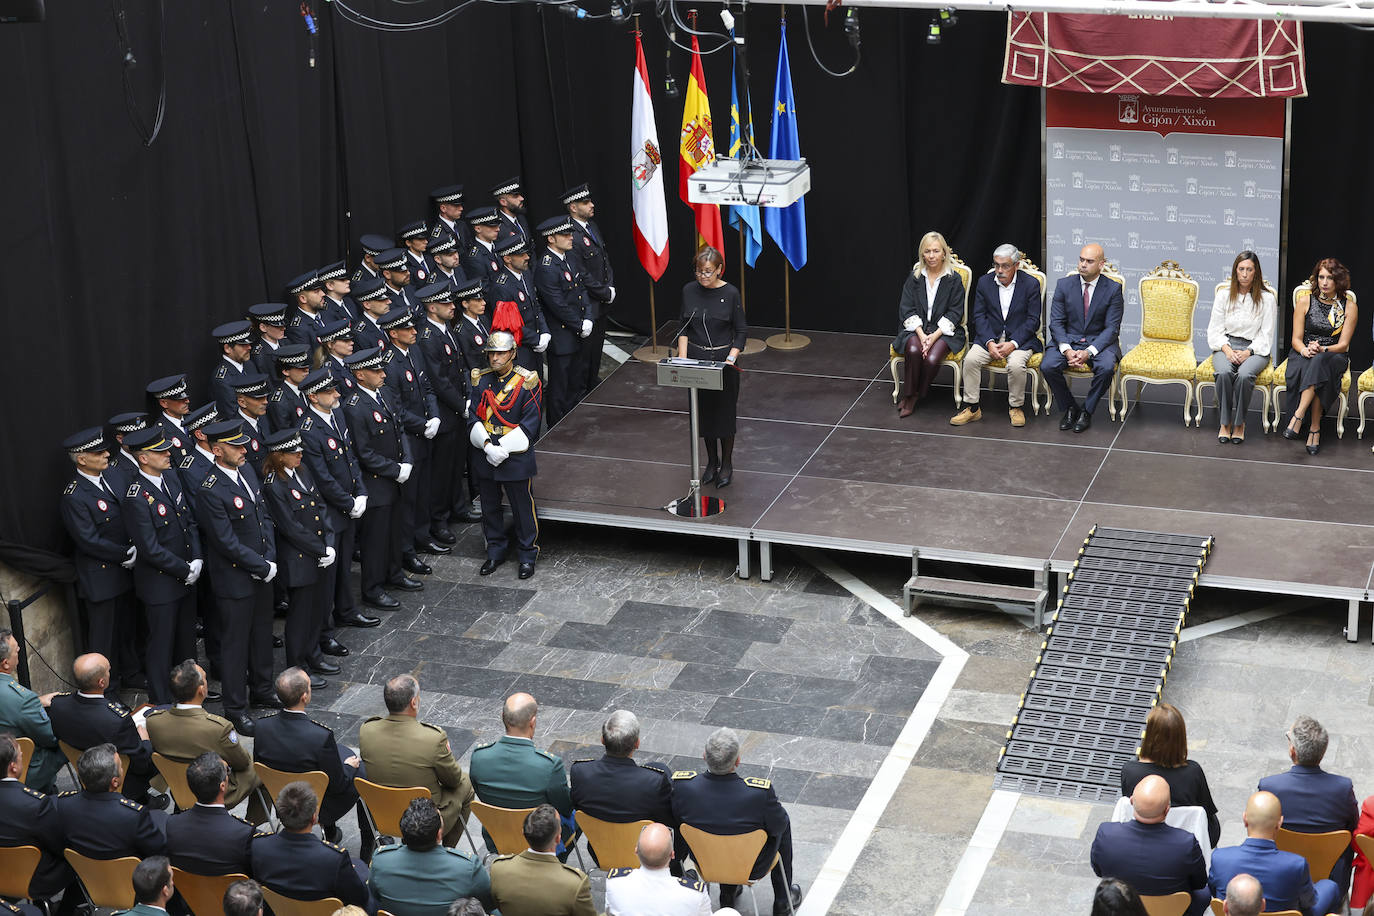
x: 709, y: 272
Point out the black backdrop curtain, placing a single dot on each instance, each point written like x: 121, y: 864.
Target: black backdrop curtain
x: 123, y: 257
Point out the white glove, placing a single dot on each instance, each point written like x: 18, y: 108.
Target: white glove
x: 467, y: 409
x: 327, y: 560
x: 359, y: 507
x: 404, y: 474
x: 543, y: 342
x: 586, y: 327
x: 495, y: 454
x: 612, y: 299
x: 431, y: 427
x: 910, y: 323
x: 271, y: 572
x: 196, y: 566
x: 129, y: 558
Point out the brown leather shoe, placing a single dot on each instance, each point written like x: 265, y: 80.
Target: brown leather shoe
x: 965, y: 416
x: 1018, y: 416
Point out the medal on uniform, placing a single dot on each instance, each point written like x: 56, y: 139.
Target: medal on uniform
x: 161, y: 509
x: 102, y: 505
x: 494, y: 268
x: 377, y: 415
x: 332, y: 443
x: 521, y: 295
x: 409, y: 377
x: 176, y: 442
x: 478, y: 340
x: 567, y: 276
x: 295, y: 494
x: 420, y: 274
x: 299, y: 412
x: 447, y: 350
x: 238, y: 502
x: 586, y: 241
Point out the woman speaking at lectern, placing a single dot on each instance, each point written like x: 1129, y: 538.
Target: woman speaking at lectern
x: 713, y: 327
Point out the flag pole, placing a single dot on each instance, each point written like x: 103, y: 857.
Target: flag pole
x: 787, y: 340
x: 751, y: 344
x: 653, y: 352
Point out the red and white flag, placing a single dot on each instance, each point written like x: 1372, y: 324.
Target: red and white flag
x: 646, y: 165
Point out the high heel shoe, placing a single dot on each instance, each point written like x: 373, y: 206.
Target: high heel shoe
x: 709, y: 473
x: 1291, y: 430
x: 727, y: 473
x: 1313, y: 448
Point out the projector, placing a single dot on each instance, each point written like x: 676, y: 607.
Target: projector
x: 750, y: 182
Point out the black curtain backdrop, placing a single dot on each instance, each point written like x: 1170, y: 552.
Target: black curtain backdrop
x: 266, y: 167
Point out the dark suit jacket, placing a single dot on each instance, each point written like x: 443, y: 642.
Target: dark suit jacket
x: 295, y: 743
x: 1023, y: 317
x: 95, y: 522
x: 240, y: 541
x: 1103, y: 324
x: 1152, y: 858
x: 949, y: 303
x: 1284, y: 876
x: 106, y: 825
x: 1315, y: 801
x: 84, y: 722
x: 620, y: 789
x: 206, y: 840
x: 304, y: 867
x: 31, y: 820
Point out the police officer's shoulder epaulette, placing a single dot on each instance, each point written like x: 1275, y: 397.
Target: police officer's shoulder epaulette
x: 153, y: 712
x: 392, y: 847
x: 118, y: 710
x: 585, y: 760
x: 276, y: 396
x: 14, y: 685
x: 68, y: 793
x: 209, y: 481
x: 296, y: 322
x: 546, y: 755
x: 619, y: 873
x: 332, y: 846
x: 483, y: 747
x: 457, y: 852
x: 130, y: 803
x: 262, y: 836
x: 509, y: 855
x: 684, y: 774
x: 353, y: 401
x: 476, y: 376
x: 71, y: 488
x: 270, y: 478
x: 436, y: 728
x: 188, y: 461
x: 134, y: 490
x: 307, y: 423
x: 692, y: 883
x: 221, y: 371
x: 34, y: 792
x: 10, y: 907
x: 424, y: 333
x: 388, y: 355
x: 374, y: 719
x: 241, y: 820
x: 758, y: 783
x: 546, y: 259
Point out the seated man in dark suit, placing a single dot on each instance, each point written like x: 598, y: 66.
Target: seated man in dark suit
x: 1147, y: 853
x: 206, y: 839
x: 1244, y: 897
x: 293, y: 742
x: 1314, y: 801
x: 421, y: 877
x: 86, y: 718
x: 615, y: 787
x: 1285, y: 877
x: 297, y: 864
x: 1085, y: 322
x: 1006, y: 317
x: 100, y: 823
x: 244, y: 898
x: 29, y: 818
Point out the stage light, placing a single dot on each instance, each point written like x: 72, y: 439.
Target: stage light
x: 949, y: 16
x: 619, y: 12
x: 851, y: 27
x: 933, y: 35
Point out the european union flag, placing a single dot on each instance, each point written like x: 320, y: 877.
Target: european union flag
x: 787, y: 225
x: 745, y: 219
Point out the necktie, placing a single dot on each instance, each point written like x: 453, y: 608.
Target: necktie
x: 334, y: 425
x: 1087, y: 300
x: 243, y: 482
x: 106, y: 487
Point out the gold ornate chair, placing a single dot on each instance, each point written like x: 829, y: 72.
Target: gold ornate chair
x: 1365, y: 385
x: 1110, y: 271
x: 896, y: 361
x: 1206, y: 376
x: 1164, y: 356
x: 1301, y: 293
x: 999, y: 366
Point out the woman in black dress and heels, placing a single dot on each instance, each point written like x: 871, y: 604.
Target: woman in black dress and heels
x: 1322, y: 328
x: 714, y: 328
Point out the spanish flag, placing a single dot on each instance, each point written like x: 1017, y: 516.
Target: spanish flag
x: 697, y: 149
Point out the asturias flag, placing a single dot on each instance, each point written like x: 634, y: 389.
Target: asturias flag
x: 697, y: 149
x: 787, y: 225
x: 745, y: 219
x: 646, y: 165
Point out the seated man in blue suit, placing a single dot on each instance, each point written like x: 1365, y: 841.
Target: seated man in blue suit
x: 1315, y: 801
x: 1085, y: 322
x: 1244, y: 896
x: 1284, y: 876
x: 1006, y: 316
x: 1148, y: 854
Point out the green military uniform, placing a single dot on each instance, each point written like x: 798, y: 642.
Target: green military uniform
x: 537, y: 884
x: 402, y: 751
x: 23, y: 716
x: 425, y: 883
x: 142, y: 909
x: 185, y: 734
x: 513, y: 773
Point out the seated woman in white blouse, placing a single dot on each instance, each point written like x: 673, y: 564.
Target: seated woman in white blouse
x: 1240, y: 335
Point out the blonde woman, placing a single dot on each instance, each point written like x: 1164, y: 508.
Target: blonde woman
x: 932, y: 317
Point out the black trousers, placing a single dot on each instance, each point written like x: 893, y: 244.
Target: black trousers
x: 381, y: 549
x: 306, y: 617
x: 567, y: 383
x: 246, y: 648
x: 591, y: 354
x: 171, y: 640
x: 343, y: 603
x: 521, y: 498
x: 109, y: 628
x: 444, y: 478
x: 209, y: 617
x: 415, y: 498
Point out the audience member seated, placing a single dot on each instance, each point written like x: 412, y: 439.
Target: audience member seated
x: 616, y: 788
x: 1240, y: 335
x: 243, y: 898
x: 651, y: 888
x: 1244, y: 897
x: 293, y: 742
x: 100, y: 823
x: 1285, y: 877
x: 721, y: 801
x: 1085, y: 324
x: 185, y: 731
x: 512, y: 773
x: 87, y: 718
x: 29, y: 818
x: 1151, y: 856
x: 206, y: 839
x: 298, y: 864
x: 1115, y: 897
x: 535, y: 882
x: 153, y: 887
x: 1362, y: 886
x: 421, y: 877
x: 1323, y: 326
x: 1164, y: 752
x: 466, y: 906
x: 402, y: 751
x: 932, y: 315
x: 1006, y: 322
x: 24, y: 714
x: 1314, y: 801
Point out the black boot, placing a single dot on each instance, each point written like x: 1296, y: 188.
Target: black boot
x: 727, y: 469
x: 708, y: 473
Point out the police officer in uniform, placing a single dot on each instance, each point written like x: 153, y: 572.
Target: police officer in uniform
x: 407, y: 381
x: 570, y: 314
x: 514, y: 284
x: 384, y: 456
x: 306, y: 295
x: 86, y: 718
x: 372, y: 245
x: 510, y: 206
x: 235, y: 339
x: 471, y: 328
x: 269, y: 321
x: 336, y: 345
x: 443, y: 260
x: 297, y: 864
x: 174, y: 402
x: 98, y: 821
x: 24, y: 714
x: 414, y: 239
x: 162, y: 525
x: 480, y: 260
x: 241, y: 551
x: 615, y: 787
x: 589, y: 248
x: 503, y: 418
x: 449, y: 202
x: 104, y: 553
x: 395, y: 267
x: 192, y: 471
x: 206, y: 839
x: 123, y: 468
x: 286, y: 406
x: 31, y: 820
x: 339, y: 304
x: 253, y: 390
x: 373, y: 299
x: 448, y: 380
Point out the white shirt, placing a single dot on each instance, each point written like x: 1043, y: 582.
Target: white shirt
x: 233, y: 362
x: 233, y: 475
x: 155, y: 481
x: 173, y: 420
x: 653, y: 892
x: 932, y: 284
x: 1242, y: 319
x: 1004, y: 292
x: 1087, y: 288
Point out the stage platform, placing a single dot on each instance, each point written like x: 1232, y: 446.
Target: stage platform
x: 822, y: 460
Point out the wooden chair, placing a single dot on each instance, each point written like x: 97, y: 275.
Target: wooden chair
x: 26, y: 753
x: 999, y: 366
x: 1205, y: 376
x: 1303, y: 293
x: 17, y: 865
x: 273, y: 781
x: 613, y: 842
x: 385, y: 804
x: 74, y: 754
x: 895, y: 360
x: 175, y: 775
x: 1165, y: 355
x: 287, y: 906
x: 1109, y: 270
x: 1321, y: 850
x: 106, y: 882
x: 1175, y: 904
x: 723, y: 859
x: 204, y: 894
x: 1218, y: 911
x: 506, y: 826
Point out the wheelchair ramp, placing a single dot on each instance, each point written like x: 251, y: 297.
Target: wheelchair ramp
x: 1103, y: 663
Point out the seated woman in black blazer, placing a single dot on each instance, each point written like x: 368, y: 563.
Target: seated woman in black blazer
x: 1164, y: 752
x: 1322, y: 328
x: 932, y: 317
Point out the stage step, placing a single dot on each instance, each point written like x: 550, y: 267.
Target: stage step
x: 1103, y: 664
x: 973, y: 591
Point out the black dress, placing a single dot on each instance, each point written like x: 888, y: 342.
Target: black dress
x: 713, y: 324
x: 1324, y: 371
x: 1187, y: 786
